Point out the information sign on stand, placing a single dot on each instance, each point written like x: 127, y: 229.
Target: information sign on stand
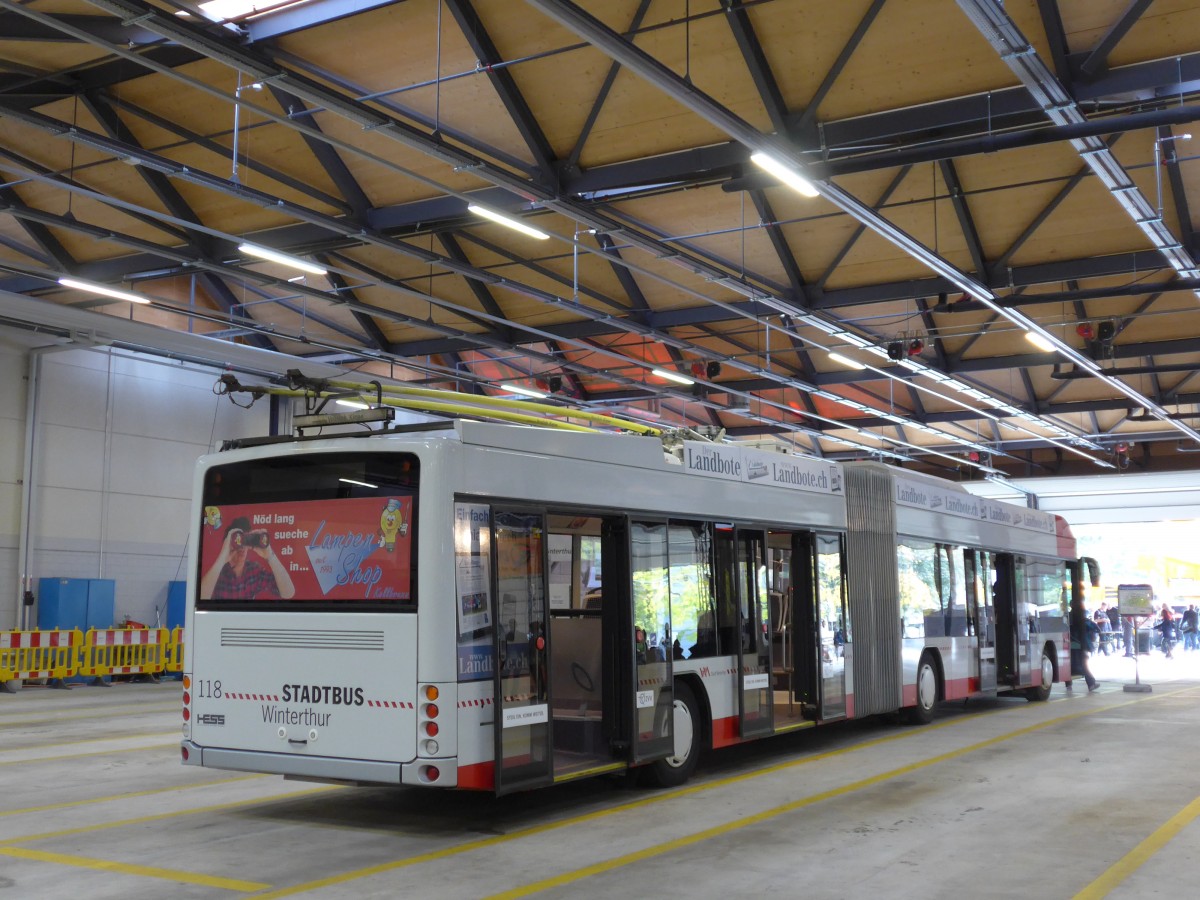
x: 1136, y: 601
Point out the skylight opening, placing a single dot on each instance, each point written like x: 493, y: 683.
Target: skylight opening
x: 230, y: 10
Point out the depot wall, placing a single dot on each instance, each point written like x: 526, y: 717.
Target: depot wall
x: 116, y: 436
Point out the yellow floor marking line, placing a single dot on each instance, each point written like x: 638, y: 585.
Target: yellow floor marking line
x: 95, y: 740
x: 71, y: 804
x: 765, y: 815
x: 635, y: 804
x: 101, y: 713
x: 1115, y: 874
x: 42, y: 759
x: 84, y: 862
x: 159, y: 817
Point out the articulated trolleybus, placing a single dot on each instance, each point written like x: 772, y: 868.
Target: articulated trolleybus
x: 498, y: 607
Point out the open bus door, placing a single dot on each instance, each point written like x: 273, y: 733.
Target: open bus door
x: 1077, y: 610
x: 983, y: 615
x: 653, y: 684
x: 1012, y: 630
x: 524, y: 756
x: 823, y: 628
x: 756, y: 707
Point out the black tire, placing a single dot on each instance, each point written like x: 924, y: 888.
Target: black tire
x: 1041, y: 693
x: 676, y: 769
x: 927, y: 691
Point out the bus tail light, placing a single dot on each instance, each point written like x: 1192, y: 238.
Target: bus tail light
x: 431, y: 729
x: 431, y: 710
x: 184, y: 751
x: 431, y: 692
x: 187, y: 705
x: 432, y: 773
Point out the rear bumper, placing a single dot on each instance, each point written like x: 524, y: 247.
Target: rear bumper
x: 324, y: 768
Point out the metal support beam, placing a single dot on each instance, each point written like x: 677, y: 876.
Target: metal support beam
x: 1097, y: 60
x: 756, y: 62
x: 572, y: 163
x: 502, y: 81
x: 326, y: 154
x: 965, y: 220
x: 808, y: 117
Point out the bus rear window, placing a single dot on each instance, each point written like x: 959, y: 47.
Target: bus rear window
x: 314, y: 532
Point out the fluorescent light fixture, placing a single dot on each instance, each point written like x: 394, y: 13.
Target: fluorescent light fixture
x: 282, y: 258
x: 103, y: 290
x: 507, y: 222
x: 672, y: 376
x: 359, y: 483
x: 528, y: 392
x: 846, y: 361
x: 353, y: 404
x: 1040, y: 341
x: 786, y: 174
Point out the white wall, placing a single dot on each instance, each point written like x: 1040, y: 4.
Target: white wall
x: 116, y: 438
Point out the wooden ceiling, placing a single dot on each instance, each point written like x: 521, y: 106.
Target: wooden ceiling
x: 983, y: 170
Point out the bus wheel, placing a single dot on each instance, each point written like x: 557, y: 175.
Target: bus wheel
x: 927, y: 691
x: 677, y: 768
x: 1042, y: 691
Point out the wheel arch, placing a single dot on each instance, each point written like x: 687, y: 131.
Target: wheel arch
x: 1050, y: 650
x: 939, y: 669
x: 704, y: 710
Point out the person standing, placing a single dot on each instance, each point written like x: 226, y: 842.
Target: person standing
x: 1191, y: 640
x: 1166, y: 625
x: 1106, y: 635
x: 1079, y: 652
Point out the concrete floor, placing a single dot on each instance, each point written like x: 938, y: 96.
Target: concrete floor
x: 1088, y: 795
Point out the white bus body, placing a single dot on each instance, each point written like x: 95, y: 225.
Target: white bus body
x: 496, y: 607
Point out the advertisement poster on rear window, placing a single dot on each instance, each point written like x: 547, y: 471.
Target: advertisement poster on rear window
x: 346, y: 550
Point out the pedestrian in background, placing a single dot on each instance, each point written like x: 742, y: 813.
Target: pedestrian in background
x: 1079, y: 649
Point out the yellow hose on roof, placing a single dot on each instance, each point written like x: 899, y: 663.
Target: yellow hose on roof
x: 503, y: 403
x: 456, y: 409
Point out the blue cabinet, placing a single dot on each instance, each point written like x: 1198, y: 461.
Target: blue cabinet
x: 176, y: 593
x: 81, y: 603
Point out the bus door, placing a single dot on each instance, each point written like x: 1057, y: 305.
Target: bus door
x: 833, y: 632
x: 756, y: 713
x: 824, y: 637
x: 524, y: 757
x: 1008, y: 645
x: 653, y: 688
x: 983, y: 617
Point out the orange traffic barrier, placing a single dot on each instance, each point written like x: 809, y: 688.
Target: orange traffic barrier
x: 39, y: 654
x: 123, y: 651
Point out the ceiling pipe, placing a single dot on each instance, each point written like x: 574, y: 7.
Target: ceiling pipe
x: 999, y: 30
x: 264, y: 68
x: 257, y: 65
x: 636, y: 60
x: 989, y: 143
